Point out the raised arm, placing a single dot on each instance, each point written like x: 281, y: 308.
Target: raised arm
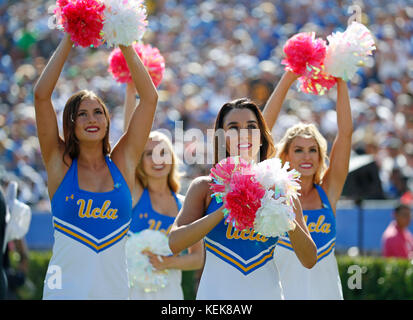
x: 130, y: 146
x: 273, y: 106
x: 129, y: 105
x: 190, y: 225
x: 335, y: 176
x: 46, y: 119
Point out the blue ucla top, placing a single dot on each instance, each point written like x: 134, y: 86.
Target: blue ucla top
x: 244, y: 250
x: 144, y: 217
x: 89, y: 234
x: 321, y: 224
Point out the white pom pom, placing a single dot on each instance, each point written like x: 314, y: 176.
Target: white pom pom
x: 125, y: 22
x: 19, y: 217
x: 140, y: 271
x: 348, y: 50
x: 274, y: 218
x: 266, y: 172
x: 272, y: 174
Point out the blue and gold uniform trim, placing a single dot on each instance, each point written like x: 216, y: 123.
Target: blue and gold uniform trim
x: 321, y: 252
x: 244, y: 266
x: 97, y: 245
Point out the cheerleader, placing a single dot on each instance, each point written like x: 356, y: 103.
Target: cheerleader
x: 306, y: 150
x: 88, y: 183
x: 238, y: 265
x: 156, y: 203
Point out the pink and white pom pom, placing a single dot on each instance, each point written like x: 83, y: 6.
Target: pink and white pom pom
x: 150, y: 56
x: 305, y: 56
x: 82, y: 20
x: 125, y: 22
x: 348, y: 50
x: 258, y: 196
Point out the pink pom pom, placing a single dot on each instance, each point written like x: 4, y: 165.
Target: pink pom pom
x: 153, y: 61
x: 222, y: 172
x: 58, y: 11
x: 150, y: 56
x: 302, y: 52
x: 243, y: 200
x: 235, y: 185
x: 82, y: 20
x: 118, y: 66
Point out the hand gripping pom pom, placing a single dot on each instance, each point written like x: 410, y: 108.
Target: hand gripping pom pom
x: 318, y: 82
x: 305, y: 57
x: 141, y: 273
x: 125, y: 22
x: 348, y: 50
x: 150, y: 56
x: 82, y: 20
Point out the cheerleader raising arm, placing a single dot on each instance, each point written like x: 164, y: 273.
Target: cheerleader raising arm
x: 129, y: 148
x: 51, y: 144
x: 335, y: 176
x: 273, y: 106
x: 129, y: 105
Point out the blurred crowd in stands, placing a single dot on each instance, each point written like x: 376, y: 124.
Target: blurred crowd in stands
x: 216, y: 51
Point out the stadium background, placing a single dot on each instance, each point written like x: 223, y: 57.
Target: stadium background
x: 216, y: 51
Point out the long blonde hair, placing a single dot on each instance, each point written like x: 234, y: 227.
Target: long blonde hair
x: 174, y: 175
x: 305, y: 130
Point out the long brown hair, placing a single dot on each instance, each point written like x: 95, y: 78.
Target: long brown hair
x: 69, y: 117
x: 267, y: 149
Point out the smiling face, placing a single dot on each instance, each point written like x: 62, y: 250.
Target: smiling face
x: 304, y: 156
x: 240, y: 129
x: 242, y: 134
x: 90, y: 122
x: 305, y: 149
x: 81, y: 108
x: 156, y: 159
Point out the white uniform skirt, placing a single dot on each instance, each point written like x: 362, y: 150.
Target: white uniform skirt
x: 221, y: 281
x: 321, y: 282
